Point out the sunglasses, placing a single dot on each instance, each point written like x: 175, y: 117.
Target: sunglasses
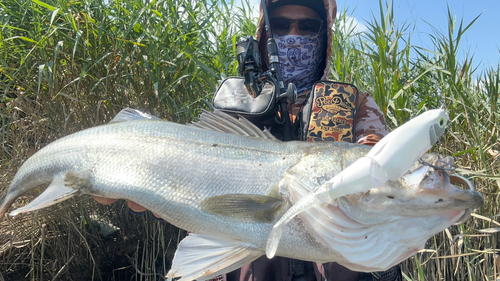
x: 306, y: 27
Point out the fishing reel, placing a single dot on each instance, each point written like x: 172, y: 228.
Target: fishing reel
x: 249, y: 65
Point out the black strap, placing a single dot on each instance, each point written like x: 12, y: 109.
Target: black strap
x: 298, y: 267
x: 392, y: 274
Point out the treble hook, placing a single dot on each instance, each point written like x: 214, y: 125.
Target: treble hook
x: 446, y: 167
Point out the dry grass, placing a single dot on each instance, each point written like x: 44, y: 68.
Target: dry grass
x: 69, y: 242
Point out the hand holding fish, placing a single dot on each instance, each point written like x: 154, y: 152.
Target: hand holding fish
x: 108, y: 201
x: 134, y: 207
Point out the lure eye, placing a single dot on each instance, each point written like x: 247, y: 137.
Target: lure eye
x: 442, y: 122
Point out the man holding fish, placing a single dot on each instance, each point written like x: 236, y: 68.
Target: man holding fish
x: 303, y: 31
x: 244, y: 194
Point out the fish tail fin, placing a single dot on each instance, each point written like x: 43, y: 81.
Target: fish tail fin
x: 8, y: 200
x: 58, y: 190
x: 203, y: 257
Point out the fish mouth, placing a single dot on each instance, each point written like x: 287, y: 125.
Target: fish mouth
x: 433, y: 176
x: 458, y: 180
x: 427, y: 190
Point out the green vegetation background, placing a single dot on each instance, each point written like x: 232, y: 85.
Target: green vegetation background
x: 69, y: 65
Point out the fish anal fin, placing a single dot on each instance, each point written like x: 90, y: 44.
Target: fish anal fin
x: 202, y: 257
x: 252, y: 207
x: 62, y: 187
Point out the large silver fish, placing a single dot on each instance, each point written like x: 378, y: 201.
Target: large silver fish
x: 229, y: 190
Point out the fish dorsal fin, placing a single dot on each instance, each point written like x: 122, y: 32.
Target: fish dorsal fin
x: 130, y: 114
x: 249, y: 207
x: 221, y: 122
x: 203, y: 257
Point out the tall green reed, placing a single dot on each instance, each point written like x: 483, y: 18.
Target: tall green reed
x: 406, y: 79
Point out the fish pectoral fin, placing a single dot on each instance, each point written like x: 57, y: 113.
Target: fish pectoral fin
x: 250, y: 207
x: 201, y: 256
x: 57, y: 191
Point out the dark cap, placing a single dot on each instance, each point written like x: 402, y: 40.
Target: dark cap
x: 317, y: 5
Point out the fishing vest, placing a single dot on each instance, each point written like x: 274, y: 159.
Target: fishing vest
x: 329, y: 113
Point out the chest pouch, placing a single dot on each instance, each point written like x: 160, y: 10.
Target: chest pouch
x: 329, y: 113
x: 233, y: 98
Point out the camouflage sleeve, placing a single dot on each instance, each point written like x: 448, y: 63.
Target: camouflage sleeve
x: 370, y: 126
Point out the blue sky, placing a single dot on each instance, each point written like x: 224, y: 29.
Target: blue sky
x: 482, y: 40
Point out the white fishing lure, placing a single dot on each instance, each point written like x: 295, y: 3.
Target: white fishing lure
x: 389, y: 159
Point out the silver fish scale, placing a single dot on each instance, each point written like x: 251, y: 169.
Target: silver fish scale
x: 166, y: 168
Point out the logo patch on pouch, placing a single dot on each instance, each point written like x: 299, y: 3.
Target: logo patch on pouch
x: 332, y: 112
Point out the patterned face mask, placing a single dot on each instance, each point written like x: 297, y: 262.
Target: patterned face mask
x: 300, y: 59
